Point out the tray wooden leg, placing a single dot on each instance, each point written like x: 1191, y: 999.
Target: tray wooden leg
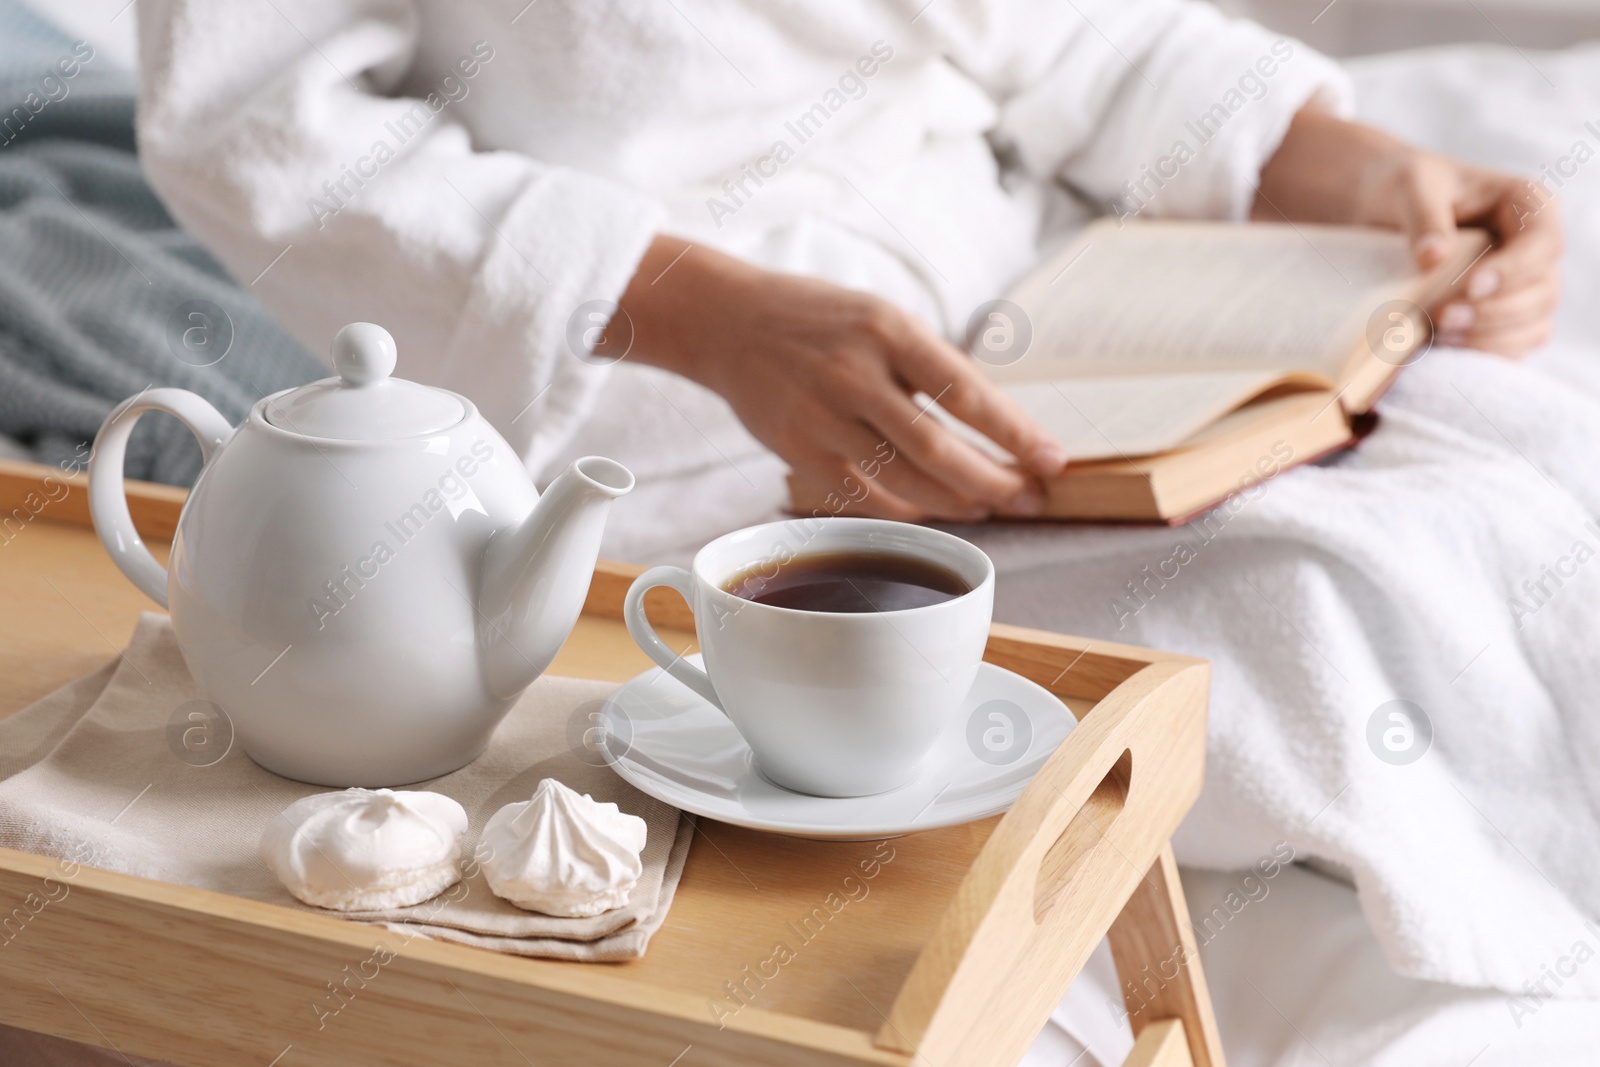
x: 1162, y: 1044
x: 1158, y: 962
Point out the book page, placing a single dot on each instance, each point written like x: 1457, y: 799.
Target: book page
x: 1107, y: 418
x: 1155, y: 298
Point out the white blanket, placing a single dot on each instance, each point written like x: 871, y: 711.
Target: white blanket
x: 1298, y: 981
x: 1385, y: 576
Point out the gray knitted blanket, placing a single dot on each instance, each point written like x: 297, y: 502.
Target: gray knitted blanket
x: 101, y: 295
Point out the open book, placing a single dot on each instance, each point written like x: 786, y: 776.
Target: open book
x: 1181, y: 362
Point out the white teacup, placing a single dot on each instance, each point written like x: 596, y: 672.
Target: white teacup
x: 834, y: 704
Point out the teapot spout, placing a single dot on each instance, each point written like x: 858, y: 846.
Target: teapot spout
x: 536, y: 574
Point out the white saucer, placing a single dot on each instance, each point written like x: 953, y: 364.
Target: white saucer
x: 670, y: 743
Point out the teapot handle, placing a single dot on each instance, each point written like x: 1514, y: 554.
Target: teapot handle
x: 108, y: 504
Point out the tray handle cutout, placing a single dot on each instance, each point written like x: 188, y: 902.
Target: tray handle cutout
x: 1086, y: 832
x: 1056, y: 874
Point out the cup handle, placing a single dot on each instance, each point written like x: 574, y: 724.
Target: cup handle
x: 644, y: 635
x: 108, y: 504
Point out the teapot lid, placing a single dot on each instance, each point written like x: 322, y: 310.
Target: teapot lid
x: 363, y: 403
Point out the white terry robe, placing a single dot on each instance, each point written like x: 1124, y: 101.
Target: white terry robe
x: 473, y: 174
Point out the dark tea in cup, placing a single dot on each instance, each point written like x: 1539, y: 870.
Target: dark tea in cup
x: 852, y: 581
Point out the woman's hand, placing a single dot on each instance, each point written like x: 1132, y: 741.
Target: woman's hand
x: 1329, y: 170
x: 825, y: 377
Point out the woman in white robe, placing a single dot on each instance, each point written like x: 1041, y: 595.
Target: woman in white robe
x: 486, y: 179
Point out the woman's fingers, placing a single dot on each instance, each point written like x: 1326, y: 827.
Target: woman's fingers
x: 1433, y: 193
x: 1515, y: 343
x: 1426, y: 208
x: 932, y: 498
x: 841, y: 480
x: 860, y: 467
x: 899, y: 476
x: 845, y: 365
x: 1530, y: 244
x: 930, y: 445
x: 1511, y: 293
x: 880, y: 503
x: 1506, y: 311
x: 936, y: 367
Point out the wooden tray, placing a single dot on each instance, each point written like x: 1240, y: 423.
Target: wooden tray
x: 955, y: 957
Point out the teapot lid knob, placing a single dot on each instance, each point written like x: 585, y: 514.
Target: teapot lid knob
x: 365, y: 402
x: 363, y: 353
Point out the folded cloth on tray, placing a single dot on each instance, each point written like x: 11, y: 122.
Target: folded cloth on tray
x: 101, y: 295
x: 127, y: 769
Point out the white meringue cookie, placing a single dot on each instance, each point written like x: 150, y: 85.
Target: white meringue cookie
x: 563, y: 853
x: 366, y: 849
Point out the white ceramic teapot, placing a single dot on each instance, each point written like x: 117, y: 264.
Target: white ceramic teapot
x: 364, y: 577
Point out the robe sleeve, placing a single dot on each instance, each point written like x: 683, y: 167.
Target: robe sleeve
x: 1159, y: 107
x: 286, y: 137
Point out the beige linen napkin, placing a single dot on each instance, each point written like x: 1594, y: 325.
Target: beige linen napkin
x: 113, y: 771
